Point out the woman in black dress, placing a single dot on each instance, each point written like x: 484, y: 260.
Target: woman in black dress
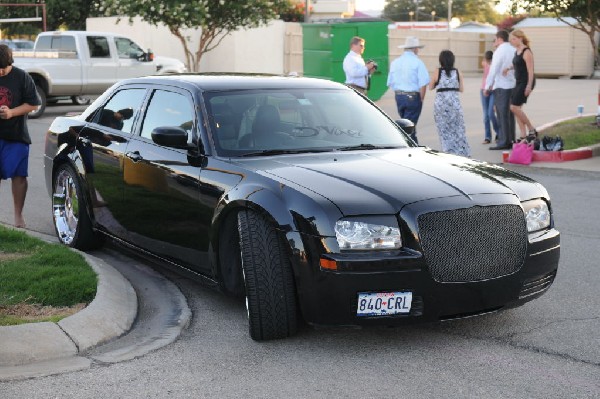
x: 523, y: 66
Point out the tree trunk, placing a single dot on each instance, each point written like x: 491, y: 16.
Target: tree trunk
x: 190, y: 61
x: 592, y: 36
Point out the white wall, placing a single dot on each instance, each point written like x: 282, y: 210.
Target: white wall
x: 258, y: 50
x: 157, y: 38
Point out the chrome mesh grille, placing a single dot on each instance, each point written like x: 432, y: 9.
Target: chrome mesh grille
x: 473, y: 244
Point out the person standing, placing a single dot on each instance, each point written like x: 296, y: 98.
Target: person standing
x: 447, y: 110
x: 408, y: 77
x: 356, y: 70
x: 525, y: 81
x: 487, y: 102
x: 18, y: 97
x: 502, y: 88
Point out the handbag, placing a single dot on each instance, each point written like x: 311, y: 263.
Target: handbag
x: 552, y: 143
x: 522, y: 153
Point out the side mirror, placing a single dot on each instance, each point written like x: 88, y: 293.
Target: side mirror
x: 148, y: 56
x: 170, y: 136
x: 406, y: 125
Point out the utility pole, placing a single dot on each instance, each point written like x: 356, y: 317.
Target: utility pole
x: 449, y: 13
x: 416, y: 10
x: 306, y: 11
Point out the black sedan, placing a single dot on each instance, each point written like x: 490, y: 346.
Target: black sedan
x: 300, y: 196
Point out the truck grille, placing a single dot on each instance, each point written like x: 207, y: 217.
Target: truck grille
x: 473, y: 244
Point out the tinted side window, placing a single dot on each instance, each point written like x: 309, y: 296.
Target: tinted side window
x: 128, y: 49
x: 121, y: 110
x: 98, y: 46
x: 43, y: 43
x: 56, y: 43
x: 168, y: 109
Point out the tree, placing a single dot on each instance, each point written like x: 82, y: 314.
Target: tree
x: 19, y: 29
x: 215, y: 18
x: 585, y: 12
x: 69, y: 14
x: 481, y: 10
x: 293, y: 11
x: 511, y: 20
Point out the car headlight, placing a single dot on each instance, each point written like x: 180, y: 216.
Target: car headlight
x: 537, y: 215
x: 380, y: 233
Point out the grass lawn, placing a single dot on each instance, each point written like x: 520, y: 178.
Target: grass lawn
x: 41, y: 281
x: 578, y: 132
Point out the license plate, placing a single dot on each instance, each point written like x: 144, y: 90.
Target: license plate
x: 383, y: 303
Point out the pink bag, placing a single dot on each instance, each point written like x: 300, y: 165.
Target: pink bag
x: 522, y: 153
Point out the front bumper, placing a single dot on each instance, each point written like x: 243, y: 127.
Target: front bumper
x: 331, y: 297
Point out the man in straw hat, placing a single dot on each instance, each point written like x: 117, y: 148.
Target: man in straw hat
x: 408, y: 77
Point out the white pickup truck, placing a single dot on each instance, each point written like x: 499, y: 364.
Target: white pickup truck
x: 78, y: 63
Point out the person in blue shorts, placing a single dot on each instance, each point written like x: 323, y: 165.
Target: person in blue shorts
x: 18, y: 97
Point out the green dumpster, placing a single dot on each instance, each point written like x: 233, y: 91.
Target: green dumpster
x: 325, y: 44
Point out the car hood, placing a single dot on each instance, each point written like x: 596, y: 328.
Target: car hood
x: 387, y: 180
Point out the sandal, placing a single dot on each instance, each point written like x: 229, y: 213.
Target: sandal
x: 486, y: 141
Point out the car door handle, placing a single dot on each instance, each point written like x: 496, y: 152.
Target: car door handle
x: 134, y: 156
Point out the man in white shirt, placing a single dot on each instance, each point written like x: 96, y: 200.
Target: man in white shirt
x: 502, y: 86
x: 357, y: 72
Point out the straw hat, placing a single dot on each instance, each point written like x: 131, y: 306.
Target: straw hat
x: 411, y: 42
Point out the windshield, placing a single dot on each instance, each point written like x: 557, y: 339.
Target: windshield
x: 247, y: 123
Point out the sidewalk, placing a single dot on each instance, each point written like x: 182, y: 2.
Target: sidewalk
x: 35, y: 349
x: 117, y: 311
x: 553, y: 100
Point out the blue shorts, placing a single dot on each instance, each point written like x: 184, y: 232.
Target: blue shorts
x: 14, y: 159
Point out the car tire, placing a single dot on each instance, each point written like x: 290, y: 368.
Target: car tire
x: 72, y: 222
x: 80, y: 100
x: 38, y: 112
x: 270, y: 291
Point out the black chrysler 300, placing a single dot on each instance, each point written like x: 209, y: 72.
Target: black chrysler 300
x: 301, y: 196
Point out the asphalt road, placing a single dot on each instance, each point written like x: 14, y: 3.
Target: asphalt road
x: 549, y: 348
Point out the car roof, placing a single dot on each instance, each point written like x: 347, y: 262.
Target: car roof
x: 236, y: 81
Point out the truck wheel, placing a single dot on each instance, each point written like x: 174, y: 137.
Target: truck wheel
x: 270, y: 292
x: 80, y: 100
x: 38, y: 112
x: 69, y: 211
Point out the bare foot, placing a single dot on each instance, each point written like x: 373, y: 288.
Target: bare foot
x: 20, y: 222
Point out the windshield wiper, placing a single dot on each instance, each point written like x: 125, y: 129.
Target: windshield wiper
x: 285, y: 151
x: 366, y: 147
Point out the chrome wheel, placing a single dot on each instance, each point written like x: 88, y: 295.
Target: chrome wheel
x: 65, y: 206
x: 80, y: 100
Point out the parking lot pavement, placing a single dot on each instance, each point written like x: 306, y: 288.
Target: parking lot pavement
x: 47, y: 348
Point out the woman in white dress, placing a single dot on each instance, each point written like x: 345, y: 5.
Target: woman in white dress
x: 447, y: 110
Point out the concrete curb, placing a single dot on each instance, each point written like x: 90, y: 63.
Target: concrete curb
x: 108, y: 316
x: 561, y: 156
